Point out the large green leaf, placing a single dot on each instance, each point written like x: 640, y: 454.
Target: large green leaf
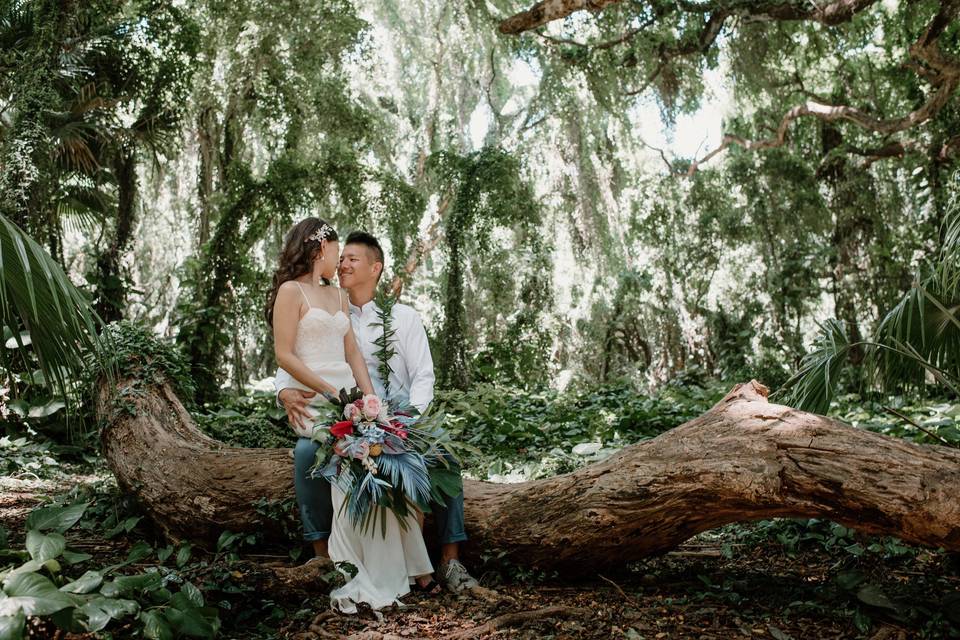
x: 85, y: 583
x: 192, y: 593
x: 124, y: 585
x: 45, y: 410
x: 27, y: 567
x: 56, y: 518
x: 192, y: 621
x: 100, y: 611
x: 96, y: 618
x: 155, y: 626
x: 36, y: 295
x: 74, y: 557
x: 45, y: 546
x: 11, y: 627
x: 34, y: 594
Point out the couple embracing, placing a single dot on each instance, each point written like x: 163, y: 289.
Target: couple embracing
x: 326, y: 341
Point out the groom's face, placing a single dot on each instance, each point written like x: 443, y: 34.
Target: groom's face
x: 357, y: 267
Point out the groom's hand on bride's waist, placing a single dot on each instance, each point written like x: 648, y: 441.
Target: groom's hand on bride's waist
x: 295, y: 401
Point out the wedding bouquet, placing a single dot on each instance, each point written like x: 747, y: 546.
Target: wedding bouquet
x: 382, y: 461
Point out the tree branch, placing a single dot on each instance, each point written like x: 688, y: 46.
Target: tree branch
x: 943, y: 72
x: 547, y: 11
x: 830, y: 13
x: 941, y: 152
x: 711, y: 29
x: 521, y: 617
x: 423, y: 246
x: 599, y: 46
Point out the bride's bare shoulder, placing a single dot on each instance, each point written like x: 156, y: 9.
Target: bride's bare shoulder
x: 290, y: 286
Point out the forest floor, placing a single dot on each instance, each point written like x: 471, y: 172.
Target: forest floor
x: 778, y: 579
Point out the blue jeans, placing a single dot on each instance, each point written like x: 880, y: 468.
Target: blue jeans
x: 316, y: 506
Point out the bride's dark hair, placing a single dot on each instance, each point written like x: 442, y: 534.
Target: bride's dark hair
x: 297, y: 256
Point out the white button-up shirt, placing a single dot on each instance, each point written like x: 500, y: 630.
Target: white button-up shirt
x: 411, y: 375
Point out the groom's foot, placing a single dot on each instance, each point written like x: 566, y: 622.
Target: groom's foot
x: 455, y: 577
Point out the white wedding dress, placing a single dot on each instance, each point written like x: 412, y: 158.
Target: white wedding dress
x: 386, y: 565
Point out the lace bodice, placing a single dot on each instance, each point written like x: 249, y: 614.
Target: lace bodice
x: 320, y: 337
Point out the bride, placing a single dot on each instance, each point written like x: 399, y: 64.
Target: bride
x: 314, y: 342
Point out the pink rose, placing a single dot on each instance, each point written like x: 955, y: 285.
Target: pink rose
x: 351, y: 412
x: 371, y: 407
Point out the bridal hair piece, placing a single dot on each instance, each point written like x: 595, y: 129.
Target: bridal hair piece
x: 321, y: 234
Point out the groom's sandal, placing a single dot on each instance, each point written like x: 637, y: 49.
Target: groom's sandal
x: 432, y: 588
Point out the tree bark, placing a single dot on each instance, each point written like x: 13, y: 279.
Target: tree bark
x: 744, y: 459
x: 111, y: 299
x: 830, y: 13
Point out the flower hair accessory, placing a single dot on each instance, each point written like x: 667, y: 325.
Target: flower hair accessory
x: 321, y: 234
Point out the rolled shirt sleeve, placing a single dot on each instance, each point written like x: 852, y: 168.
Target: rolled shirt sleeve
x: 283, y: 380
x: 414, y: 348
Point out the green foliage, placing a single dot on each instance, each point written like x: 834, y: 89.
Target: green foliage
x: 37, y: 585
x: 120, y: 87
x: 40, y: 307
x: 488, y: 190
x: 235, y: 431
x: 620, y: 326
x: 24, y: 455
x: 853, y: 583
x: 135, y: 353
x: 399, y: 208
x: 252, y: 420
x: 545, y: 432
x: 796, y: 535
x: 919, y: 337
x: 385, y: 341
x: 917, y: 420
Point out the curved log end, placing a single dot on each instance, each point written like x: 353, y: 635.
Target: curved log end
x: 753, y: 391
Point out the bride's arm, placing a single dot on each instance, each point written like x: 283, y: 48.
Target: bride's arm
x: 286, y: 316
x: 354, y: 355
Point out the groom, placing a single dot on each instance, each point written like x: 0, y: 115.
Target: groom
x: 411, y: 382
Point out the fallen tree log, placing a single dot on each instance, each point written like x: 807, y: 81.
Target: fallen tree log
x: 744, y: 459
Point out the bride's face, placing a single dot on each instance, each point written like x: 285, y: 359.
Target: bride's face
x: 329, y: 258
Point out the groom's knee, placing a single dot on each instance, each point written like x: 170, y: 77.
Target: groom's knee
x: 305, y: 456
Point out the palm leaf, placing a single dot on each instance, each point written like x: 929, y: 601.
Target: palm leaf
x: 917, y: 338
x: 814, y: 385
x: 36, y: 295
x: 925, y: 321
x: 83, y: 207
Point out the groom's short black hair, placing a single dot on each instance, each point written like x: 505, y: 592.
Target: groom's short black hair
x: 370, y: 242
